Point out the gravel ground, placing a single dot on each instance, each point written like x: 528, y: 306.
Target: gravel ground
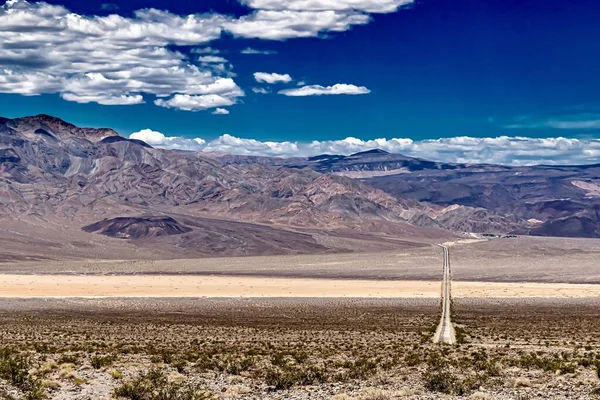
x: 365, y: 349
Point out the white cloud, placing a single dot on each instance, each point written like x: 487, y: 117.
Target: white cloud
x: 370, y: 6
x: 282, y: 25
x: 318, y: 90
x: 205, y: 50
x: 47, y: 49
x: 287, y: 19
x: 580, y: 121
x: 264, y: 77
x: 158, y: 139
x: 261, y: 90
x: 250, y: 50
x: 235, y: 145
x: 212, y: 59
x: 462, y: 149
x: 195, y: 103
x: 221, y: 111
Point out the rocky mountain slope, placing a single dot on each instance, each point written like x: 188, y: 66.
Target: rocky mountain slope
x: 360, y: 165
x: 57, y: 179
x: 53, y: 173
x: 541, y: 200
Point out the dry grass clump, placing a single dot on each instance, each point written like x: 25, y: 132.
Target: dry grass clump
x: 522, y: 382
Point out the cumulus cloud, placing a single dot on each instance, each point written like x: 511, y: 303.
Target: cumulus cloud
x: 195, y: 103
x: 205, y: 50
x: 212, y: 59
x: 158, y: 139
x: 271, y: 78
x: 221, y: 111
x: 286, y: 19
x: 318, y: 90
x: 48, y: 49
x: 235, y: 145
x: 260, y: 90
x: 370, y: 6
x: 288, y: 24
x: 250, y: 50
x: 462, y: 149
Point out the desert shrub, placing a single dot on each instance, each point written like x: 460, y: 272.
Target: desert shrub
x: 239, y: 365
x: 548, y: 364
x: 154, y: 385
x: 440, y: 381
x: 444, y: 381
x: 162, y: 355
x: 14, y: 368
x: 288, y: 376
x: 460, y: 335
x: 361, y: 368
x: 68, y: 359
x: 412, y: 358
x: 179, y: 365
x: 102, y: 361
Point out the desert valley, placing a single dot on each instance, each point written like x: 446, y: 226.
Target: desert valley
x: 135, y: 272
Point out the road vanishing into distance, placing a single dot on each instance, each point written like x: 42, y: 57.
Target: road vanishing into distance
x: 445, y: 330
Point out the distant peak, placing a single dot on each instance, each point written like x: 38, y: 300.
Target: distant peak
x: 62, y: 129
x: 49, y: 118
x: 371, y: 152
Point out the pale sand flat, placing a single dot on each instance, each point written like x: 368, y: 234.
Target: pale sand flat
x: 47, y: 286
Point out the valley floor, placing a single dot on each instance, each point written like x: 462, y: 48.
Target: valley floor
x: 522, y: 259
x: 202, y: 286
x: 330, y: 326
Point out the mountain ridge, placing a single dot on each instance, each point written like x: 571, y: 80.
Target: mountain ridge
x: 75, y: 177
x: 79, y: 177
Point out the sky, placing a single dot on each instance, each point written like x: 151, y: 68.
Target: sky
x: 506, y: 81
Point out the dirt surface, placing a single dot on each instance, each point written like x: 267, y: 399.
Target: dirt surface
x: 528, y: 259
x: 522, y: 259
x: 194, y: 286
x: 335, y: 349
x: 407, y: 263
x: 522, y: 332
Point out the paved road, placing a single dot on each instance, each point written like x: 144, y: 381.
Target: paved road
x: 445, y: 330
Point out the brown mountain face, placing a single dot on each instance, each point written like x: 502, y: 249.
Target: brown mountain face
x: 54, y: 174
x: 541, y: 200
x: 55, y: 128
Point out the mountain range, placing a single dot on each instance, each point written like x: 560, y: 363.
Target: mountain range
x: 545, y: 200
x: 91, y: 192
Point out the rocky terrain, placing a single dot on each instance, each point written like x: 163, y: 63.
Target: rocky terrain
x: 540, y: 200
x: 305, y: 349
x: 56, y: 178
x: 136, y: 228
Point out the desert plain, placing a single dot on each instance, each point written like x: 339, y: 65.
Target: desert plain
x: 323, y: 326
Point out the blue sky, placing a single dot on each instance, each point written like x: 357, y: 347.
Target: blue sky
x: 421, y: 70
